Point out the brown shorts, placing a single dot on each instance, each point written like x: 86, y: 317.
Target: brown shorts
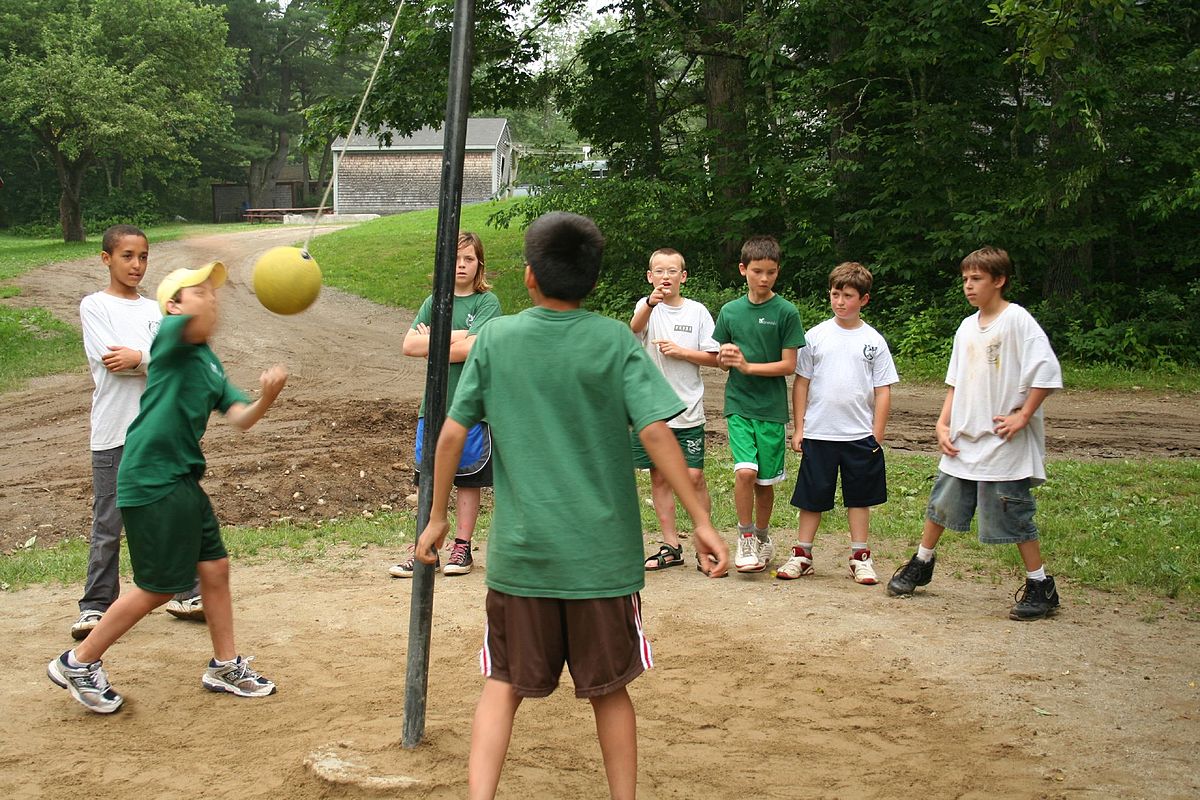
x: 528, y: 639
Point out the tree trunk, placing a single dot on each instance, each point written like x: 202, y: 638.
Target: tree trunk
x: 725, y: 118
x: 70, y: 199
x: 651, y: 114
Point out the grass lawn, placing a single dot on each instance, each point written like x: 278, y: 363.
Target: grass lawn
x: 390, y: 260
x: 18, y: 254
x: 1131, y: 526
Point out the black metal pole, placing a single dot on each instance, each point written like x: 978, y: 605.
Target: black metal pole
x: 416, y: 681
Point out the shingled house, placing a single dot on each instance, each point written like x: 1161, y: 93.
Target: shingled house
x: 371, y: 178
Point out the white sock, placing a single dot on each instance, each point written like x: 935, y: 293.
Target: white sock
x: 857, y: 547
x: 762, y: 533
x: 924, y: 553
x: 73, y: 662
x: 1038, y: 574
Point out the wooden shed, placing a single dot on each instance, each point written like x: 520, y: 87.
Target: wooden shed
x: 372, y: 178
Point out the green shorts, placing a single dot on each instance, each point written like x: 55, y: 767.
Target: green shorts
x: 169, y: 536
x: 691, y: 442
x: 758, y: 445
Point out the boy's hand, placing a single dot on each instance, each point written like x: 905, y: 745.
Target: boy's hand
x: 1010, y: 426
x: 121, y: 358
x: 272, y: 380
x: 730, y: 357
x: 422, y: 329
x: 655, y: 297
x: 944, y: 443
x: 669, y: 349
x: 798, y: 439
x: 431, y: 541
x: 708, y: 543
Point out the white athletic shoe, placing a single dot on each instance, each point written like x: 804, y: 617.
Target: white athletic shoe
x: 192, y: 608
x: 798, y: 566
x: 236, y: 678
x: 766, y: 551
x: 87, y: 621
x: 747, y: 559
x: 862, y: 568
x: 87, y: 684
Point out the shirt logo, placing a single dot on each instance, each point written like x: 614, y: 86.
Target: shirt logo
x: 684, y: 328
x: 153, y: 326
x: 216, y: 370
x: 765, y: 321
x: 993, y: 352
x: 869, y: 352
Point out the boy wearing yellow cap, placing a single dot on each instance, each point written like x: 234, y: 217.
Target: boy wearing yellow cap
x: 170, y: 528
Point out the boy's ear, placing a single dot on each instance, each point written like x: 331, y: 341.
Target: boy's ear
x: 741, y: 268
x: 105, y: 257
x: 530, y: 280
x: 866, y: 298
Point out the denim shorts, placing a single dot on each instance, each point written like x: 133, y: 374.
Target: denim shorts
x: 1005, y: 508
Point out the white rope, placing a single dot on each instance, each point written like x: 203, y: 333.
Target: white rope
x: 354, y: 125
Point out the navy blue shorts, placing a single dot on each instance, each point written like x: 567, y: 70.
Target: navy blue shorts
x: 864, y: 476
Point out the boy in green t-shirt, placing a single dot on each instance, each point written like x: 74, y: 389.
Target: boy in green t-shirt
x: 759, y: 335
x: 561, y: 387
x: 170, y: 527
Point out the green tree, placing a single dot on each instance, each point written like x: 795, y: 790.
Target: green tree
x: 118, y: 80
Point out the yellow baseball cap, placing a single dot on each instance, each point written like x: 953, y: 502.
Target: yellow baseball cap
x: 184, y: 277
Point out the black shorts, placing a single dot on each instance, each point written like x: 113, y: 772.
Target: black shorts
x: 528, y: 639
x: 864, y: 476
x: 476, y: 480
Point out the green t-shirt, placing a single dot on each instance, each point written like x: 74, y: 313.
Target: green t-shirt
x: 469, y: 313
x: 561, y: 390
x: 184, y: 383
x: 762, y: 331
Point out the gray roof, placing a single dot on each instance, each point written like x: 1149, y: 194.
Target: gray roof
x: 483, y: 133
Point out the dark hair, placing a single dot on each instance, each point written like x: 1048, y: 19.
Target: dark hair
x: 992, y: 261
x: 116, y: 233
x: 852, y: 274
x: 760, y: 248
x: 564, y: 252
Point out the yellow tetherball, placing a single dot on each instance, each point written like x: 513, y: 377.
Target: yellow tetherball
x: 286, y: 280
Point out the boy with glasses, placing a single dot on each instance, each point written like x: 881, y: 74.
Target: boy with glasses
x: 677, y: 335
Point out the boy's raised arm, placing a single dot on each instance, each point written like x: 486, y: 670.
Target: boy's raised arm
x: 244, y: 415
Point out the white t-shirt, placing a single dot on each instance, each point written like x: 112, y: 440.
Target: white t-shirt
x: 688, y: 325
x: 131, y: 323
x: 844, y: 368
x: 992, y: 370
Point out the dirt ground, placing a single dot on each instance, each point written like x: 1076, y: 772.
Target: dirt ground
x: 762, y: 688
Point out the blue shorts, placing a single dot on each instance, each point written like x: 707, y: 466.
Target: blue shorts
x: 1005, y: 508
x: 864, y: 475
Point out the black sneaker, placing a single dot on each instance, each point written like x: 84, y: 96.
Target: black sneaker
x: 460, y: 561
x: 1035, y: 600
x: 913, y: 574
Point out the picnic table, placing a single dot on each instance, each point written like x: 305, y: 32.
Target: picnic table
x: 256, y: 215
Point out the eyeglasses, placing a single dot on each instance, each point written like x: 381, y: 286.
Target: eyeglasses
x: 665, y: 273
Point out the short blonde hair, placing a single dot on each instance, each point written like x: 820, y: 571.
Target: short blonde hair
x: 668, y: 251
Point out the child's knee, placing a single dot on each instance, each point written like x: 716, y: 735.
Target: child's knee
x: 745, y: 477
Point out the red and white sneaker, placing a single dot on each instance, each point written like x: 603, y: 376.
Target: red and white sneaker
x: 460, y: 561
x: 798, y: 566
x: 862, y: 568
